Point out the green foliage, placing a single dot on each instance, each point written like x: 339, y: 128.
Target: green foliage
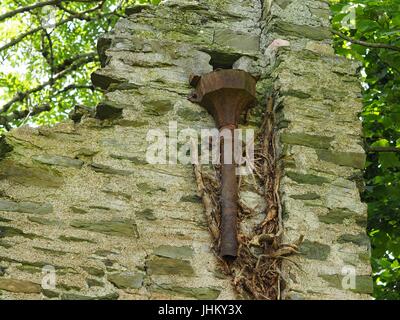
x: 377, y: 23
x: 47, y: 53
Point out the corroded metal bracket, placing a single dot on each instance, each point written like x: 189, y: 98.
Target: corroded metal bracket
x: 226, y: 94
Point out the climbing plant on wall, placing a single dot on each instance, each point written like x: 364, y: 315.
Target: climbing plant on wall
x: 47, y: 54
x: 369, y: 31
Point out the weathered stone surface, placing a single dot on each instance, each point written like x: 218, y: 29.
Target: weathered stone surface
x: 26, y: 207
x: 308, y: 140
x: 349, y: 159
x: 358, y: 239
x: 184, y: 252
x: 147, y: 214
x: 126, y: 280
x: 108, y: 110
x: 58, y: 161
x: 364, y: 283
x: 122, y: 228
x: 307, y: 178
x: 239, y: 41
x: 168, y: 266
x: 29, y: 176
x: 50, y: 293
x: 94, y: 271
x: 6, y: 231
x: 338, y: 216
x: 306, y: 196
x: 19, y: 286
x: 74, y: 239
x: 315, y: 250
x: 94, y: 283
x: 315, y: 33
x: 101, y: 168
x: 146, y: 61
x: 192, y: 198
x: 44, y: 221
x: 196, y: 293
x: 74, y: 296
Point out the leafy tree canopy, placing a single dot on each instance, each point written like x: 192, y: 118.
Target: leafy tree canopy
x: 47, y: 52
x: 369, y: 31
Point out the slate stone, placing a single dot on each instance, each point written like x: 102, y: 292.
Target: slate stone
x: 306, y: 196
x: 167, y: 266
x: 94, y: 271
x: 184, y: 252
x: 302, y: 31
x: 202, y: 293
x: 363, y: 283
x: 147, y: 214
x: 239, y: 41
x: 347, y: 159
x: 360, y: 239
x: 61, y: 161
x: 314, y: 250
x: 307, y: 178
x: 122, y: 228
x: 25, y: 207
x: 314, y: 141
x: 19, y: 286
x: 126, y: 280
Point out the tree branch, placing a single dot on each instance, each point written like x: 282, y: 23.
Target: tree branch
x: 5, y: 120
x: 30, y: 32
x: 366, y: 44
x: 75, y: 86
x: 28, y: 8
x: 20, y: 96
x: 382, y: 149
x: 39, y: 5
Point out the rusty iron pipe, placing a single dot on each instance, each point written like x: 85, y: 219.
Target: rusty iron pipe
x: 226, y: 94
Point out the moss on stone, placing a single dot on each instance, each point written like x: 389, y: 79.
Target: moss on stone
x: 363, y: 283
x: 94, y: 283
x: 55, y: 160
x: 19, y: 286
x: 51, y: 251
x: 6, y: 231
x: 314, y: 250
x: 147, y: 214
x: 307, y: 178
x: 306, y: 196
x: 25, y: 207
x: 77, y: 210
x: 168, y: 266
x: 44, y: 221
x: 126, y: 280
x: 202, y: 293
x: 348, y: 159
x: 308, y: 140
x: 94, y: 271
x: 122, y: 228
x: 74, y: 239
x: 337, y: 216
x: 360, y: 239
x: 101, y: 168
x: 192, y: 198
x: 157, y: 107
x: 302, y: 31
x: 30, y: 175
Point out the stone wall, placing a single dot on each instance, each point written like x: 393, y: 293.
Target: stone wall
x: 81, y: 198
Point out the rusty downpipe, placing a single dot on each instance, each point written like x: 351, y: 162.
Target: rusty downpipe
x: 226, y: 94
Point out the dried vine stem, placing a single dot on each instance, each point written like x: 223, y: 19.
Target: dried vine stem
x: 256, y: 271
